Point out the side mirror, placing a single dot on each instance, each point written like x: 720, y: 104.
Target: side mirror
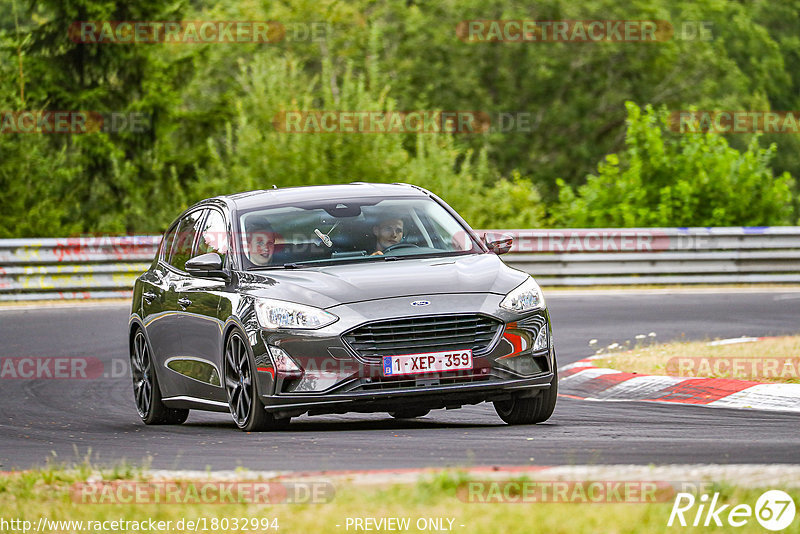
x: 206, y: 265
x: 498, y: 243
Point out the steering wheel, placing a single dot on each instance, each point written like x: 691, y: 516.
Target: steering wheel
x: 397, y: 246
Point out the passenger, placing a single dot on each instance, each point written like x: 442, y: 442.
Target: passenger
x: 260, y: 241
x: 388, y: 232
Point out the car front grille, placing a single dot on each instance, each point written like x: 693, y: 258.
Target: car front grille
x: 413, y: 335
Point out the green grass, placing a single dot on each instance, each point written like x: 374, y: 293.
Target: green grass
x: 769, y: 360
x: 46, y: 492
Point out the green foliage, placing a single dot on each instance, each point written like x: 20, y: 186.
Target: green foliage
x: 253, y: 154
x: 212, y: 106
x: 666, y: 179
x: 32, y: 186
x: 576, y: 91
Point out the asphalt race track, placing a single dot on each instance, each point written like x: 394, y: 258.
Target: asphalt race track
x: 68, y: 420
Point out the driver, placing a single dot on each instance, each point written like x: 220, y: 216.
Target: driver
x: 388, y: 232
x: 260, y: 241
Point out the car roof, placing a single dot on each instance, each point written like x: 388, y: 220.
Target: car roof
x: 255, y: 199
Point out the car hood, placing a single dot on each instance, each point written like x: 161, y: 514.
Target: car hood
x: 332, y: 285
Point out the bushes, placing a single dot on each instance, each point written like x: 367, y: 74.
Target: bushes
x: 252, y: 154
x: 212, y: 107
x: 667, y: 179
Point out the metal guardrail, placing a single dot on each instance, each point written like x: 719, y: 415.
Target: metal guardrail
x: 73, y: 268
x: 106, y: 267
x: 615, y: 256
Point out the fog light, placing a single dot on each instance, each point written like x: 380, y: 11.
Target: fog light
x: 541, y: 340
x: 283, y: 362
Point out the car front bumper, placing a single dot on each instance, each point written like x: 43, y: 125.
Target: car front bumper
x: 429, y: 397
x: 335, y: 378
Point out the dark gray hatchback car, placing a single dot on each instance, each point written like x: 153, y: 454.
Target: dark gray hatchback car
x: 331, y: 299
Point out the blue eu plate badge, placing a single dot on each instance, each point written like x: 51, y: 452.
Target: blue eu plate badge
x: 387, y: 365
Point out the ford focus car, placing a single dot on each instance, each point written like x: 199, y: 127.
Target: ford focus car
x: 331, y: 299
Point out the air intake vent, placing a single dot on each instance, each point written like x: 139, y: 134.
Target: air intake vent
x: 411, y: 335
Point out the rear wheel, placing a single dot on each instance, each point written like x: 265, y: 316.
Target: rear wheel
x: 146, y: 392
x: 529, y: 410
x: 246, y: 408
x: 409, y: 413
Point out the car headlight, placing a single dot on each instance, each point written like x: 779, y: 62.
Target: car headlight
x: 525, y: 297
x: 274, y: 314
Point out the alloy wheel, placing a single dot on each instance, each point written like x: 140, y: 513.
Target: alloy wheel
x: 142, y: 372
x: 238, y: 380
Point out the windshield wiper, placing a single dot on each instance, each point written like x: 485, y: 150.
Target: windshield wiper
x: 292, y: 266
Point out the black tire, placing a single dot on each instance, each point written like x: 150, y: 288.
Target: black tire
x: 529, y: 410
x: 146, y: 393
x: 246, y: 408
x: 409, y: 413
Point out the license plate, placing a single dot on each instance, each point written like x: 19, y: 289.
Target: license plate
x: 427, y: 362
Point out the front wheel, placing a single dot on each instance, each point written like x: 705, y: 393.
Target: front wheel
x: 246, y: 408
x: 146, y: 392
x: 529, y: 410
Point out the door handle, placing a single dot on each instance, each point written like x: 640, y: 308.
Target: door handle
x: 149, y: 296
x: 184, y: 302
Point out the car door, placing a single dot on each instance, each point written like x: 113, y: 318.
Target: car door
x: 199, y: 300
x: 159, y: 302
x: 169, y: 332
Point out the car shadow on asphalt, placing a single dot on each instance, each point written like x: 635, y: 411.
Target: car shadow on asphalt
x: 350, y: 425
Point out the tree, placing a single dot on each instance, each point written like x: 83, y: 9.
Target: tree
x: 254, y: 154
x: 668, y: 179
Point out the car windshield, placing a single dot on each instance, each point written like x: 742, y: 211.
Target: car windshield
x: 335, y: 231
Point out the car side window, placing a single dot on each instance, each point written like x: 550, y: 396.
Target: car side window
x: 188, y: 229
x: 166, y: 243
x: 214, y: 237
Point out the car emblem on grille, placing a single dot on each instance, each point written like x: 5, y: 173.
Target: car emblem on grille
x: 420, y: 303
